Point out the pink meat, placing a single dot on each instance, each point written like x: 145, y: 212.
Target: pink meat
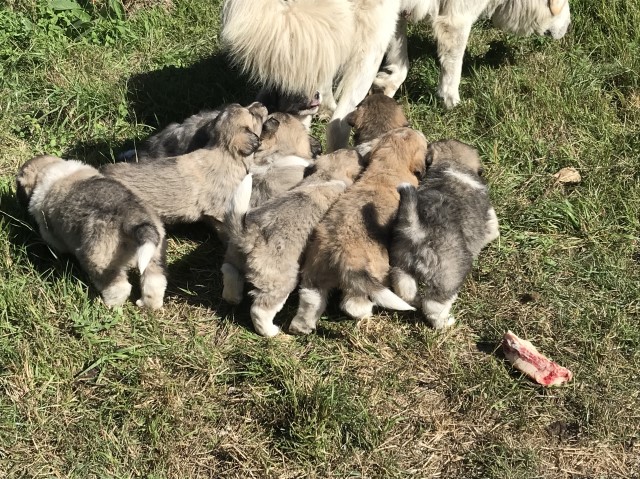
x: 526, y: 358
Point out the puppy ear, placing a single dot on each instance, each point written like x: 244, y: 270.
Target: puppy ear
x: 352, y: 118
x: 250, y: 144
x: 269, y: 128
x: 556, y: 6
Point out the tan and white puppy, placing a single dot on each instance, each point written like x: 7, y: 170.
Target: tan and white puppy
x: 273, y: 237
x: 198, y: 185
x: 349, y: 247
x: 98, y: 220
x: 286, y: 151
x: 441, y: 228
x: 305, y: 46
x: 374, y: 116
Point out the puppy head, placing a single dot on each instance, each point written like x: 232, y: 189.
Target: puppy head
x: 28, y: 176
x: 238, y: 129
x: 402, y: 148
x: 374, y: 116
x: 283, y: 133
x: 523, y: 17
x: 457, y: 153
x: 345, y: 165
x: 297, y: 104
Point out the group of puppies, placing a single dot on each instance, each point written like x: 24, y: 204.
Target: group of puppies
x: 393, y: 222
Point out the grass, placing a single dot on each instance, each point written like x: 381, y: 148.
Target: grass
x: 191, y: 391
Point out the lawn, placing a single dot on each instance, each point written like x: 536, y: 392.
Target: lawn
x: 191, y: 391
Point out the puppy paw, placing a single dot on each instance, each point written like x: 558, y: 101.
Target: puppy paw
x: 357, y: 308
x: 404, y: 186
x: 116, y: 294
x: 150, y: 303
x: 439, y: 322
x: 299, y: 327
x: 268, y: 330
x: 233, y: 284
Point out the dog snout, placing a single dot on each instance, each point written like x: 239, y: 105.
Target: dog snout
x: 480, y: 171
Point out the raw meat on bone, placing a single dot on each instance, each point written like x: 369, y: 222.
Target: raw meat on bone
x: 525, y: 357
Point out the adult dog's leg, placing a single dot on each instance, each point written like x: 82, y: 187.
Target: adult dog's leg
x: 394, y: 72
x: 452, y: 35
x: 354, y: 87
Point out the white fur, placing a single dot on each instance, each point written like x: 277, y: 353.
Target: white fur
x: 305, y: 45
x: 153, y: 287
x: 466, y: 179
x: 116, y: 294
x: 438, y: 313
x: 145, y: 253
x: 262, y: 319
x: 405, y: 285
x: 233, y: 284
x: 312, y: 304
x: 493, y: 228
x: 357, y: 307
x: 241, y: 199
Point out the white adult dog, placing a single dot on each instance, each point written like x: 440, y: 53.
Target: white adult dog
x: 306, y: 45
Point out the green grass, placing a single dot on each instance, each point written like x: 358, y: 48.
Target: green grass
x: 191, y: 391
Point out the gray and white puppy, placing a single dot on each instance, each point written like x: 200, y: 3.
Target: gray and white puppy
x: 198, y: 185
x: 441, y: 228
x: 198, y: 131
x: 107, y: 227
x: 273, y: 237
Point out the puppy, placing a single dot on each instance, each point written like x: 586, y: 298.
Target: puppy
x: 303, y: 107
x: 198, y: 185
x: 273, y: 237
x: 107, y: 227
x: 198, y: 132
x: 284, y: 155
x: 441, y: 228
x: 374, y: 116
x: 349, y: 246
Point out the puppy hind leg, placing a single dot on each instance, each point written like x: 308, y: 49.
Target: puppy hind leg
x: 232, y: 275
x: 153, y: 284
x: 313, y: 302
x: 437, y: 312
x: 404, y: 284
x: 358, y: 307
x: 263, y: 310
x: 114, y: 287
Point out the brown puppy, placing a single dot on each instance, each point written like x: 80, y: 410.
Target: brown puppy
x: 98, y: 220
x: 198, y: 185
x: 349, y: 247
x: 273, y: 237
x: 374, y: 116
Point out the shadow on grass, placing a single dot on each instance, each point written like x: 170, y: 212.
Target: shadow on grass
x: 171, y: 94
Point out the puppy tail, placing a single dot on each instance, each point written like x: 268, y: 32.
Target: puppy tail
x: 407, y: 211
x: 148, y: 237
x: 362, y: 283
x: 238, y: 207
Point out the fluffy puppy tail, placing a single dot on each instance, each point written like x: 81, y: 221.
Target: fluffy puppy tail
x: 148, y: 238
x: 362, y: 283
x: 293, y: 46
x: 237, y: 209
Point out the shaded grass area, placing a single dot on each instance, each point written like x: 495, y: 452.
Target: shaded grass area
x: 192, y: 392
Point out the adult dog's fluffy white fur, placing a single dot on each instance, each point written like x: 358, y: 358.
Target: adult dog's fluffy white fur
x: 307, y: 45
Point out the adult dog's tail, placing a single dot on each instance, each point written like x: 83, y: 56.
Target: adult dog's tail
x: 294, y: 46
x: 237, y: 209
x: 363, y: 284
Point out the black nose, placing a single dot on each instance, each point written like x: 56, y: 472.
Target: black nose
x: 547, y: 33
